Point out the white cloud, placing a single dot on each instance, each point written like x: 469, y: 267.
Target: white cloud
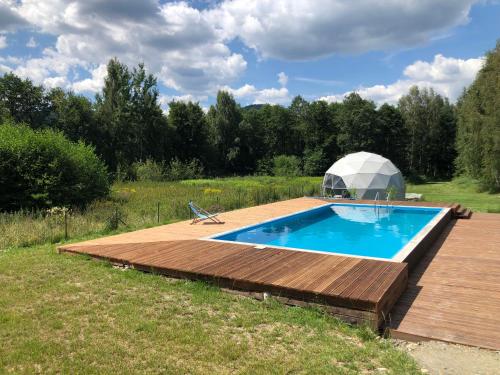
x: 305, y: 29
x: 175, y: 40
x: 249, y: 94
x: 282, y: 79
x: 189, y: 49
x: 318, y: 81
x: 5, y: 69
x: 32, y: 43
x: 272, y: 96
x: 53, y: 82
x: 93, y: 84
x: 164, y: 100
x: 446, y: 75
x: 10, y: 20
x: 50, y: 65
x: 3, y: 41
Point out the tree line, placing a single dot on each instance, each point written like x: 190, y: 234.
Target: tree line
x: 126, y: 125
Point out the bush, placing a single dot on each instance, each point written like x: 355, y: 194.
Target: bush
x: 42, y: 169
x: 287, y: 166
x: 178, y: 170
x: 148, y: 170
x: 264, y: 167
x: 315, y: 163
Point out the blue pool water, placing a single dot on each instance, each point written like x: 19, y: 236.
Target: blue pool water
x: 363, y: 230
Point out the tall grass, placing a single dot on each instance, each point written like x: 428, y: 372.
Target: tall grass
x: 145, y: 204
x: 137, y: 205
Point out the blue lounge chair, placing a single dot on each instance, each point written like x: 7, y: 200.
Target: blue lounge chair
x: 201, y: 215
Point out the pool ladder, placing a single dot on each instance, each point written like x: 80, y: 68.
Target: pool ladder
x: 376, y: 206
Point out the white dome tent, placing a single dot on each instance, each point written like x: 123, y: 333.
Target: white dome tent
x: 370, y: 175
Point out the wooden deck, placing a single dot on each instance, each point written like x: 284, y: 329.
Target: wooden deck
x: 454, y: 292
x: 355, y: 289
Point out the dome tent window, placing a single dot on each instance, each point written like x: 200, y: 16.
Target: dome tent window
x: 369, y: 175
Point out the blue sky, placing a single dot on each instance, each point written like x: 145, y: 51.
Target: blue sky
x: 262, y: 51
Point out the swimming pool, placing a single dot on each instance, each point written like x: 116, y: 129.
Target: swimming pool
x: 372, y: 231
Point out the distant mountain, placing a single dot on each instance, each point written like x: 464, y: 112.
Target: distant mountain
x: 253, y: 106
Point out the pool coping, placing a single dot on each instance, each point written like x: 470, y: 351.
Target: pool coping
x: 403, y: 255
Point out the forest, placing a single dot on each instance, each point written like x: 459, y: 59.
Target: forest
x: 425, y: 135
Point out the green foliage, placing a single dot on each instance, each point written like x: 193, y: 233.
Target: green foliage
x: 115, y: 219
x: 430, y: 126
x: 23, y: 102
x: 74, y: 116
x: 286, y: 166
x: 391, y: 136
x: 126, y: 125
x: 264, y: 167
x: 315, y: 163
x: 478, y: 136
x: 357, y: 125
x: 148, y: 170
x: 178, y: 170
x: 130, y: 117
x: 190, y: 128
x: 224, y: 119
x: 43, y: 168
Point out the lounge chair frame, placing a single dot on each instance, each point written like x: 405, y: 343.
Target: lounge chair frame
x: 202, y: 215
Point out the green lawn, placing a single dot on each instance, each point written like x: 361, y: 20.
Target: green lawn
x: 62, y: 313
x: 458, y: 191
x: 69, y: 314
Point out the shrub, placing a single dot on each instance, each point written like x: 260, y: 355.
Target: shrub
x: 264, y: 167
x: 43, y: 169
x: 315, y: 163
x: 178, y: 170
x: 285, y: 165
x: 148, y: 170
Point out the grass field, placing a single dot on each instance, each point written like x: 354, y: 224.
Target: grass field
x: 461, y: 191
x: 136, y: 203
x: 68, y: 314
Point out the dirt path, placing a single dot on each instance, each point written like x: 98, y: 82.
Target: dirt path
x: 442, y: 358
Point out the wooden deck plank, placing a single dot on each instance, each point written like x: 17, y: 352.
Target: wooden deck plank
x: 179, y: 250
x: 454, y: 292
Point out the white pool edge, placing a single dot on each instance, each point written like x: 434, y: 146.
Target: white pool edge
x: 407, y: 249
x: 399, y: 257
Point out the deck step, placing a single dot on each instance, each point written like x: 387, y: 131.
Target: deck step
x: 463, y: 213
x: 466, y: 214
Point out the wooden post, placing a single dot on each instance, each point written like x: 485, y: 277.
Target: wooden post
x: 65, y: 224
